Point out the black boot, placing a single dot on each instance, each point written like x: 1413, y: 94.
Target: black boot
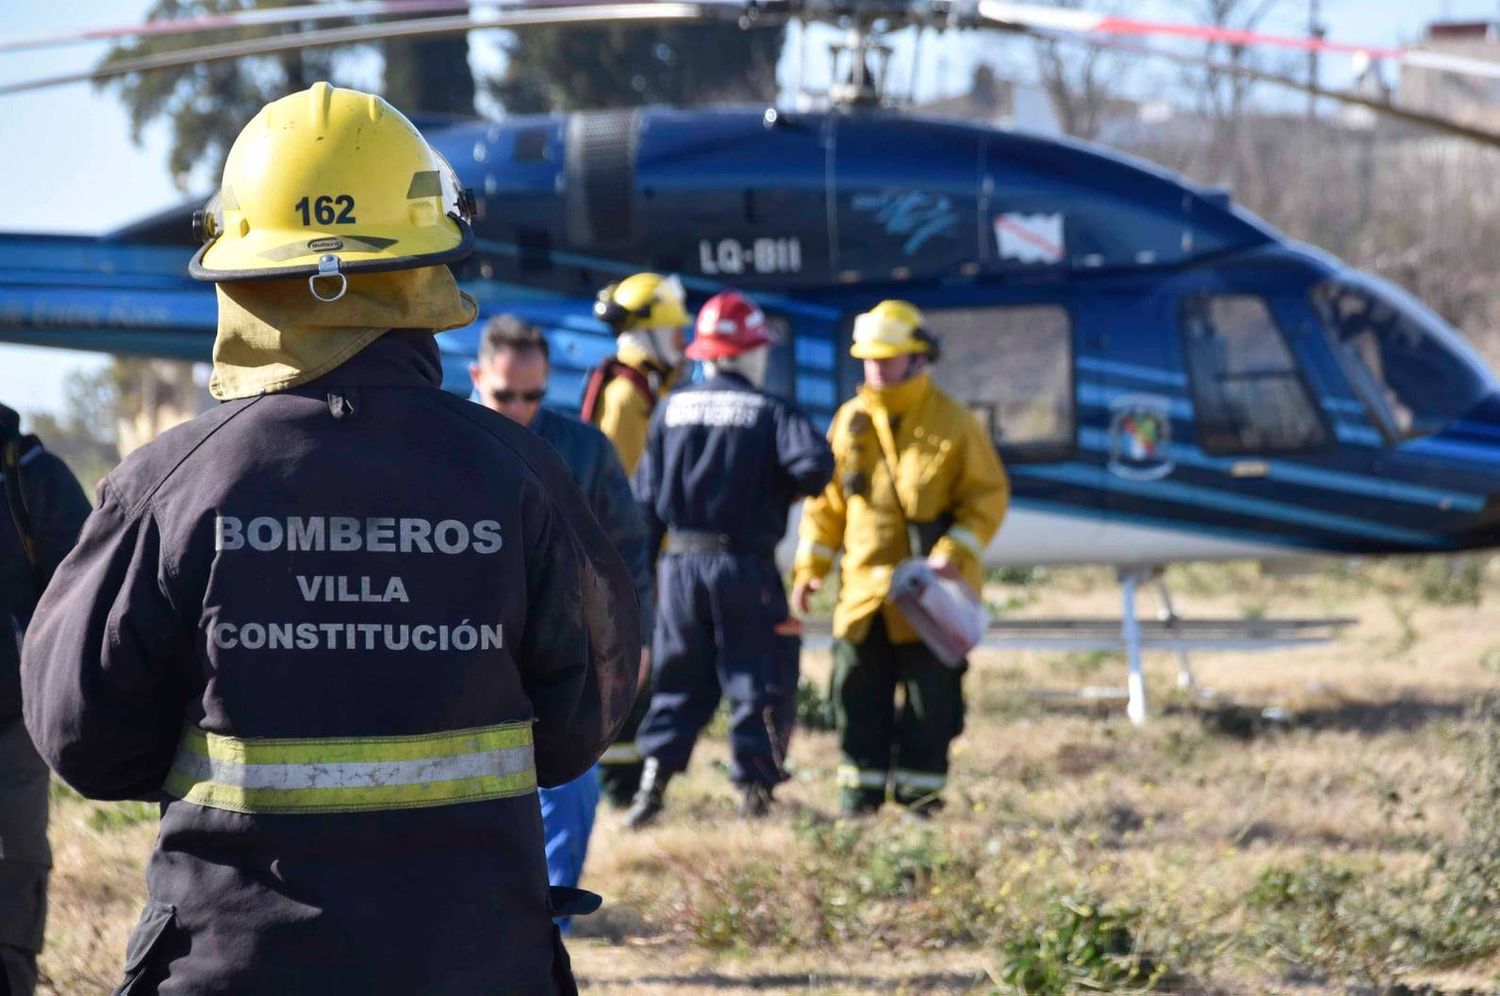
x: 647, y: 805
x: 755, y: 802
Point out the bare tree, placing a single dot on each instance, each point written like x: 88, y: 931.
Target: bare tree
x: 1415, y: 209
x: 1222, y: 97
x: 1081, y: 81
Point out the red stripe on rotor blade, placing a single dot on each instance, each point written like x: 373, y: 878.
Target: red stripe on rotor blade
x: 1238, y: 36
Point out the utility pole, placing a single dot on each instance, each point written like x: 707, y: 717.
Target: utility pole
x: 1315, y: 29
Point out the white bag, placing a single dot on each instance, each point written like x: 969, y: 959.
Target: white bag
x: 946, y: 613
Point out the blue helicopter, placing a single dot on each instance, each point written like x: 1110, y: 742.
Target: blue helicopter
x: 1165, y: 376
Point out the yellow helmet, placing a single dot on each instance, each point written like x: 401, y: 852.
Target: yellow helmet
x: 331, y: 181
x: 891, y: 328
x: 644, y: 301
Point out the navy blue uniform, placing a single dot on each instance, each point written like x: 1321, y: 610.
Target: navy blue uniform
x: 342, y: 632
x: 724, y: 463
x: 568, y: 809
x: 51, y: 507
x: 590, y: 458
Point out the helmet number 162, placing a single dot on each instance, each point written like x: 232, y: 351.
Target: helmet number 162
x: 323, y: 211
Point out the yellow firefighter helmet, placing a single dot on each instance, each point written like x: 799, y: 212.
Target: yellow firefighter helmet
x: 643, y: 301
x: 892, y: 328
x: 330, y: 181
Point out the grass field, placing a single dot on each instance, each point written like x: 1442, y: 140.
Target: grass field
x: 1349, y: 844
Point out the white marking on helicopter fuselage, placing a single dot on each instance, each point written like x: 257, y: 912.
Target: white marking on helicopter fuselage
x: 1031, y: 536
x: 731, y: 257
x: 1030, y: 238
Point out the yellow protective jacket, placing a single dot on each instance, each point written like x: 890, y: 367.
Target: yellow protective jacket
x: 950, y: 484
x: 624, y: 412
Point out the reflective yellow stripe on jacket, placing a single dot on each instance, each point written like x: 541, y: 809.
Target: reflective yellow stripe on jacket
x: 353, y: 774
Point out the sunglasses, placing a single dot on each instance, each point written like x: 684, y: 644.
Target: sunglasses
x: 511, y: 397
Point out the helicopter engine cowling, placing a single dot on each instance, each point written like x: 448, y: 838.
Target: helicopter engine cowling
x: 768, y: 199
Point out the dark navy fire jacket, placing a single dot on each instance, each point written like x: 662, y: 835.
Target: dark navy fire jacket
x: 302, y: 575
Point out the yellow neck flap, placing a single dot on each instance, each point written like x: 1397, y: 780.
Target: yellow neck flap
x: 274, y: 335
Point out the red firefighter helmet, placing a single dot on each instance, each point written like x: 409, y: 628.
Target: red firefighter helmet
x: 729, y: 325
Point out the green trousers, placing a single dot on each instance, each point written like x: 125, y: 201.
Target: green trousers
x: 886, y: 744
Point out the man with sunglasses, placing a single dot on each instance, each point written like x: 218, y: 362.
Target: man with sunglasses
x: 510, y: 377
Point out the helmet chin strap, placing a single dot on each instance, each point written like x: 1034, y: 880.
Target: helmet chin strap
x: 750, y: 365
x: 661, y: 349
x: 658, y: 352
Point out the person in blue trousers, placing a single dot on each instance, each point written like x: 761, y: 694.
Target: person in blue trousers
x: 510, y: 377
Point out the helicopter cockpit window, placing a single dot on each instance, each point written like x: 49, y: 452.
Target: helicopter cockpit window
x: 1410, y: 371
x: 1248, y: 395
x: 1013, y: 367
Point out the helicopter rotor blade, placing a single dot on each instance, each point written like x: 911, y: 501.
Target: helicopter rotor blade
x: 299, y: 13
x: 296, y: 13
x: 1053, y: 19
x: 532, y: 16
x: 1446, y: 125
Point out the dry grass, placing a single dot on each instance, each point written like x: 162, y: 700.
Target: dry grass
x: 1179, y: 821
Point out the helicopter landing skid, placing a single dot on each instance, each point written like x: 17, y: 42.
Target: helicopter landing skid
x: 1134, y: 637
x: 1169, y: 632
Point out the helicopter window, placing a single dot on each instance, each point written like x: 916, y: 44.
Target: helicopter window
x: 1248, y: 395
x: 780, y: 369
x: 1013, y: 367
x: 1411, y: 372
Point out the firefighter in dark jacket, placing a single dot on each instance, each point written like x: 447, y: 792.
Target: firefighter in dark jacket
x: 510, y: 376
x: 647, y: 314
x: 343, y: 625
x: 724, y: 463
x: 45, y: 509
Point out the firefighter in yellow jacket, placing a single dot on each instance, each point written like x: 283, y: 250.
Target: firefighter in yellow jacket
x: 647, y: 313
x: 916, y: 476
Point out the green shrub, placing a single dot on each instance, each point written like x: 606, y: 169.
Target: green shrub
x: 1080, y: 946
x: 107, y: 817
x: 1365, y: 922
x: 1450, y: 581
x: 814, y: 710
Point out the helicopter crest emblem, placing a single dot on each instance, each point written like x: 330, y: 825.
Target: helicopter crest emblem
x: 1140, y: 437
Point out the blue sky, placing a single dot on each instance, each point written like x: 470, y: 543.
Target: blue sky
x: 71, y: 166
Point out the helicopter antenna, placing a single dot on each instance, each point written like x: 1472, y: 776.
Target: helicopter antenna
x: 802, y: 91
x: 916, y: 63
x: 868, y: 60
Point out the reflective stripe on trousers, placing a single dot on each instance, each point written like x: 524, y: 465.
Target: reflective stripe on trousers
x: 850, y: 776
x: 925, y: 781
x: 621, y: 753
x: 353, y: 774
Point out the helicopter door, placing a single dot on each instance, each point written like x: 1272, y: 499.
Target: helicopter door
x: 1136, y: 415
x: 1259, y: 459
x: 1012, y: 364
x: 804, y: 363
x: 803, y: 367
